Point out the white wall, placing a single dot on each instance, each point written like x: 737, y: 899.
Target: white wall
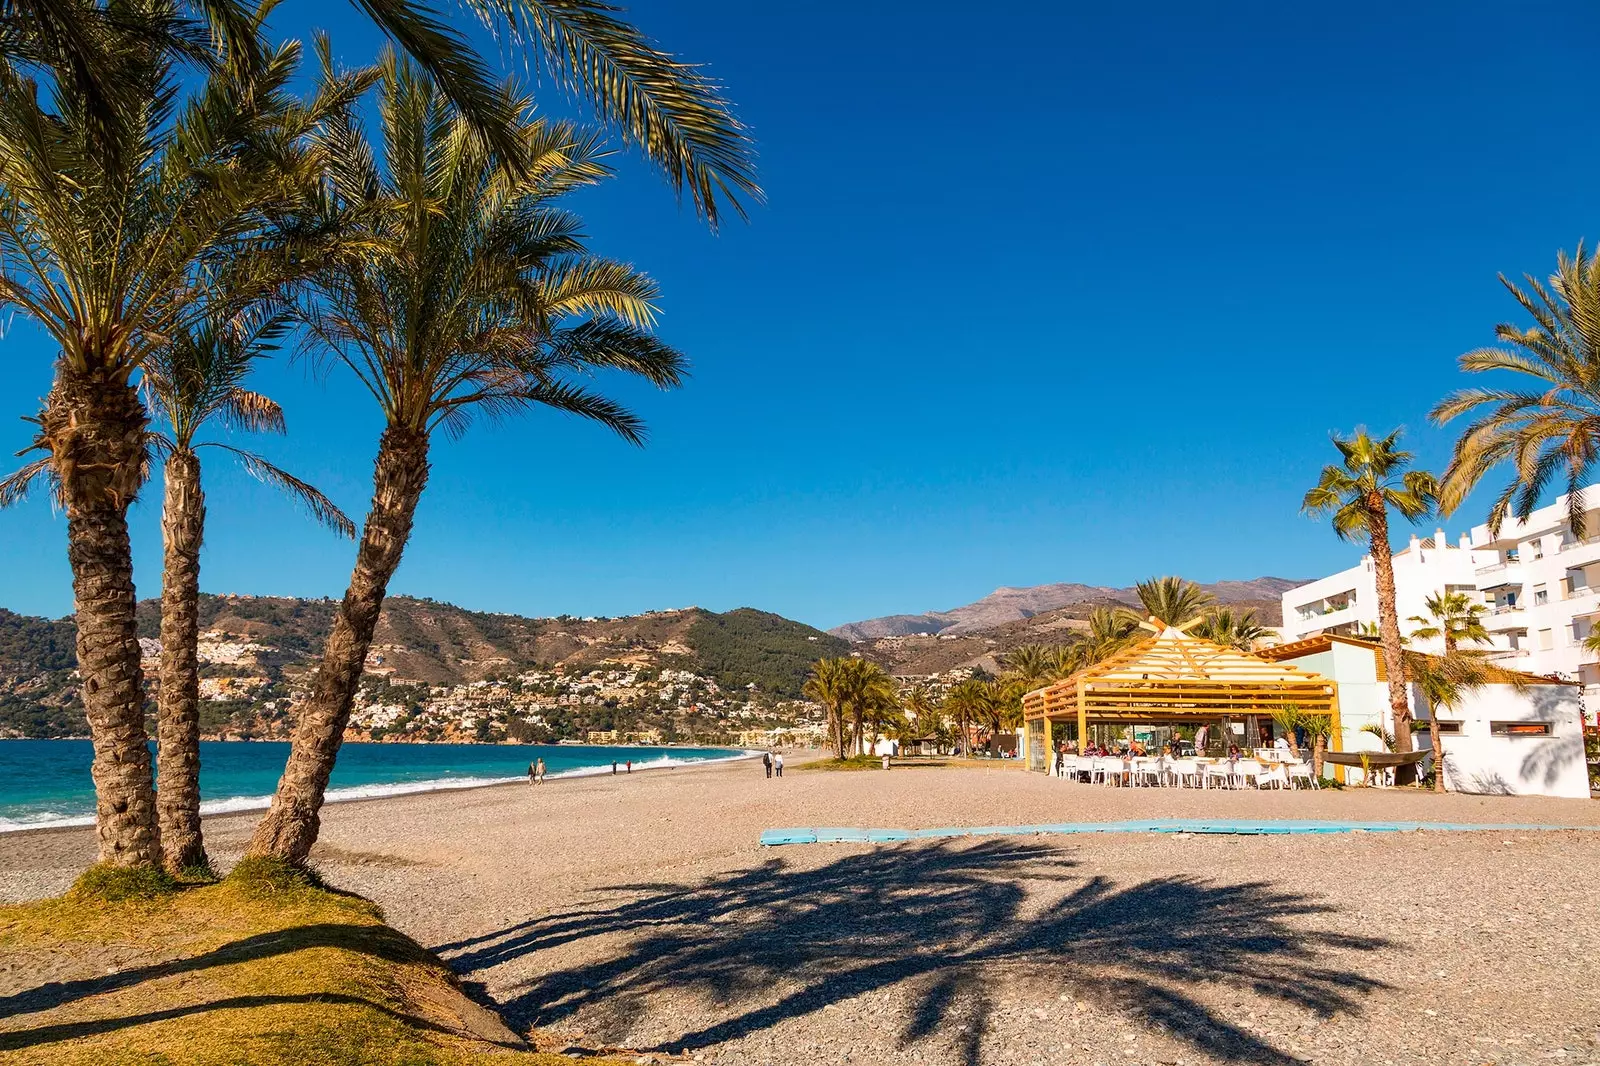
x: 1477, y: 761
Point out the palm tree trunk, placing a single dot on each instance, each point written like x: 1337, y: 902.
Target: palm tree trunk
x: 94, y: 426
x: 1320, y: 746
x: 290, y: 827
x: 1389, y: 634
x: 838, y: 729
x: 183, y: 519
x: 1434, y: 736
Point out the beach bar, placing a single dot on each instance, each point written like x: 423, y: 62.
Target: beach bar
x: 1173, y: 679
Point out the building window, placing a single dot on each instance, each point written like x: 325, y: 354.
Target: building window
x: 1519, y: 729
x: 1446, y: 729
x: 1541, y: 595
x: 1538, y: 549
x: 1546, y: 639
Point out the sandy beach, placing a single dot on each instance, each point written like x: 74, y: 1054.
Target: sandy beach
x: 640, y: 911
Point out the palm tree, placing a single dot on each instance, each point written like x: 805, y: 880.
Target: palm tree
x: 868, y: 694
x: 1319, y: 727
x: 1172, y: 600
x: 669, y: 110
x: 827, y: 685
x: 473, y: 293
x: 195, y: 381
x: 1444, y: 681
x: 1358, y: 493
x: 1453, y: 616
x: 1110, y: 630
x: 1222, y: 626
x: 112, y: 244
x: 1553, y: 424
x: 971, y: 702
x: 1290, y: 718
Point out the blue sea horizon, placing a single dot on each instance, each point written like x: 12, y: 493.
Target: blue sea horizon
x: 46, y: 783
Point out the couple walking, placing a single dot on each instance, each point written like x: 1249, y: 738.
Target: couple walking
x: 773, y: 761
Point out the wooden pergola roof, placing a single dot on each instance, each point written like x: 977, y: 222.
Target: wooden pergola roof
x: 1175, y: 675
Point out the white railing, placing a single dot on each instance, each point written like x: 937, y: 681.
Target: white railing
x: 1504, y: 608
x: 1585, y: 542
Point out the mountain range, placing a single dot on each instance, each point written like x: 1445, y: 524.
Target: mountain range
x: 1010, y: 604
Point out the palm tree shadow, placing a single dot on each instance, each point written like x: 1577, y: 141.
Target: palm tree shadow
x: 944, y: 920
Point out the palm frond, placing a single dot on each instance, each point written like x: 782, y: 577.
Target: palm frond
x: 322, y: 509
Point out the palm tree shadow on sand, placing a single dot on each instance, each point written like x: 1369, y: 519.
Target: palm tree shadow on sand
x: 947, y: 921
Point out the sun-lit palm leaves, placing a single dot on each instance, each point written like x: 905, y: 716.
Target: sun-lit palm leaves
x: 1222, y: 625
x: 465, y: 291
x: 1371, y: 480
x: 473, y: 292
x: 1453, y: 617
x: 1172, y: 600
x: 671, y: 111
x: 1550, y: 426
x: 1358, y: 493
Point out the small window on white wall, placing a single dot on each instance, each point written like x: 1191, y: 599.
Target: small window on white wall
x: 1540, y: 595
x: 1546, y: 639
x: 1520, y: 729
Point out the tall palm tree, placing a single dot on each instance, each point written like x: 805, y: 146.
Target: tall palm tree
x: 828, y: 686
x: 1550, y: 425
x: 1222, y: 626
x: 1452, y: 616
x: 971, y: 702
x: 1358, y: 493
x: 198, y: 380
x: 1172, y: 600
x: 1444, y: 681
x: 473, y: 293
x: 111, y: 245
x: 868, y: 693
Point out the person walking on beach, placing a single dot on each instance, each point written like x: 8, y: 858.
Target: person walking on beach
x: 533, y: 775
x: 538, y: 772
x: 766, y: 760
x: 630, y: 766
x: 613, y: 768
x: 777, y: 763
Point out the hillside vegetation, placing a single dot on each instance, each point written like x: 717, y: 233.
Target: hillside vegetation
x: 418, y: 642
x: 746, y: 645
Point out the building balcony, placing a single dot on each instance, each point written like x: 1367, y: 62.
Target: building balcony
x: 1582, y: 603
x: 1581, y: 552
x: 1505, y: 617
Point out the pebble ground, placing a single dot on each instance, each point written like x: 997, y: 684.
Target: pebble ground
x: 640, y: 912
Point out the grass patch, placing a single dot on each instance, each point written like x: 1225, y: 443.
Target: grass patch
x: 105, y: 883
x: 265, y: 967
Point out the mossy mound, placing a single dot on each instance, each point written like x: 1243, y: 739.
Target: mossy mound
x: 265, y: 967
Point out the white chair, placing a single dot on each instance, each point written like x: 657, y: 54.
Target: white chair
x: 1113, y: 771
x: 1273, y: 777
x: 1069, y: 768
x: 1185, y: 773
x: 1247, y: 773
x: 1299, y: 771
x: 1219, y: 772
x: 1148, y: 771
x: 1097, y: 770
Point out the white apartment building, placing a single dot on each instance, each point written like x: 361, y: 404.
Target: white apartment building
x: 1540, y: 583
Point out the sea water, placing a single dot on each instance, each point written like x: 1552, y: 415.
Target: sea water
x: 47, y: 782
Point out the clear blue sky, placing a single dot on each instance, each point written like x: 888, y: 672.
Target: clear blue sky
x: 1075, y: 294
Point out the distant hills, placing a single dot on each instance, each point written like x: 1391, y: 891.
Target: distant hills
x: 274, y: 642
x: 1003, y: 605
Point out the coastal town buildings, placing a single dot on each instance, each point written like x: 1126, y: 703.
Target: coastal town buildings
x: 1538, y: 580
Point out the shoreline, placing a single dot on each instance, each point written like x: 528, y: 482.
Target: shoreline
x: 253, y: 805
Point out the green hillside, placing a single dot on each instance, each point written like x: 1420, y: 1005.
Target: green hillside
x: 746, y: 645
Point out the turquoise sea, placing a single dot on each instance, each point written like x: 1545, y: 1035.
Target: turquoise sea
x: 46, y: 782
